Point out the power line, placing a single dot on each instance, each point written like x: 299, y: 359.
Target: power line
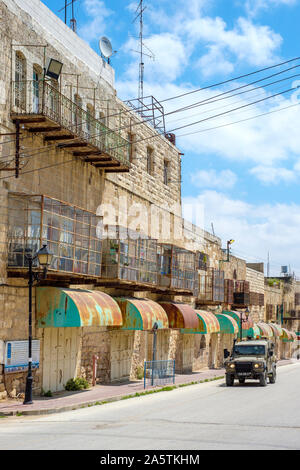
x: 230, y: 80
x: 200, y: 103
x: 248, y: 91
x: 178, y: 128
x: 240, y: 121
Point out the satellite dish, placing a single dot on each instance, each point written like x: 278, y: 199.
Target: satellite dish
x: 105, y: 47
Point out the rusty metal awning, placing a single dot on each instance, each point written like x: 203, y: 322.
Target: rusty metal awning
x: 141, y: 314
x: 288, y: 336
x: 64, y: 308
x: 180, y: 315
x: 277, y: 330
x: 265, y: 330
x: 247, y: 322
x: 228, y: 324
x: 254, y: 332
x: 208, y: 322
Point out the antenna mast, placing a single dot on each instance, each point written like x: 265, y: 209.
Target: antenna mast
x: 73, y: 20
x: 140, y: 10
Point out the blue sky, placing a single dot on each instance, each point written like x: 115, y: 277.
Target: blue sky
x: 246, y: 175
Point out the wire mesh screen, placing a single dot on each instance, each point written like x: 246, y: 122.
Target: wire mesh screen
x: 211, y: 285
x: 129, y: 256
x: 159, y: 373
x: 176, y: 267
x: 68, y: 231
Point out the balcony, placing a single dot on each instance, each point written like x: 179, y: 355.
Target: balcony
x: 211, y: 287
x: 129, y: 259
x: 176, y: 270
x: 69, y: 232
x: 119, y: 257
x: 41, y: 109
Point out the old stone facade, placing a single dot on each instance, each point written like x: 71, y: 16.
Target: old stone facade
x: 134, y: 182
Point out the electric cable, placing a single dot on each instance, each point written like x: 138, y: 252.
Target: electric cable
x: 182, y: 127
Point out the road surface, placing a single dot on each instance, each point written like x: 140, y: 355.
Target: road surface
x: 198, y: 417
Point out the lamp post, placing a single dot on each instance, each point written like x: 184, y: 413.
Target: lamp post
x: 247, y: 312
x: 44, y: 257
x: 155, y: 328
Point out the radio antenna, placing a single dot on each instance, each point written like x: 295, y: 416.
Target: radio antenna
x: 140, y: 14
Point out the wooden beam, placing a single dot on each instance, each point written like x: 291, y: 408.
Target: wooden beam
x: 50, y: 138
x: 95, y: 159
x: 107, y: 165
x: 116, y: 170
x: 72, y: 144
x: 43, y: 129
x: 85, y: 154
x: 31, y: 120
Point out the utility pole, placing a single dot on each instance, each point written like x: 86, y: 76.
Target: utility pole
x: 268, y: 265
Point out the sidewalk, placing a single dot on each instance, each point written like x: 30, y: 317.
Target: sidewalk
x: 65, y: 401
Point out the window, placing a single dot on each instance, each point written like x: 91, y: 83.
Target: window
x: 54, y: 99
x: 102, y: 118
x: 166, y: 171
x: 37, y: 73
x: 90, y: 118
x: 130, y: 153
x: 149, y: 160
x: 20, y: 81
x: 77, y: 114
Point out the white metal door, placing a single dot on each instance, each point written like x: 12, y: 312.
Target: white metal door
x: 188, y: 352
x: 60, y: 354
x: 121, y: 355
x: 162, y: 353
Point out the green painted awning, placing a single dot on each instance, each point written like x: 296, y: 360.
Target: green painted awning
x: 142, y: 314
x: 254, y: 332
x: 228, y: 325
x: 62, y: 308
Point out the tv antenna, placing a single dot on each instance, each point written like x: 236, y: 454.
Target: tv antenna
x: 73, y: 22
x: 140, y: 14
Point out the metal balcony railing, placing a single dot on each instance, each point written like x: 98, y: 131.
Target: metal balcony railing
x: 41, y: 99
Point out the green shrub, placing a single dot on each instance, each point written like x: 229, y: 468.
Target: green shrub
x: 140, y: 373
x: 76, y: 384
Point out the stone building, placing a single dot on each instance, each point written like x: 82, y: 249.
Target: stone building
x: 86, y: 175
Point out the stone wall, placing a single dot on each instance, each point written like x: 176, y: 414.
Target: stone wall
x: 257, y: 285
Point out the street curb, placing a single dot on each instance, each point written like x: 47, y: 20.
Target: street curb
x: 104, y: 401
x: 98, y: 402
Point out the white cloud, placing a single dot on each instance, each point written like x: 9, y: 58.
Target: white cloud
x: 256, y: 229
x: 273, y: 175
x: 211, y: 179
x: 254, y: 6
x: 96, y: 27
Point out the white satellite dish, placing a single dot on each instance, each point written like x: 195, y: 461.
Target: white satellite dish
x: 105, y: 47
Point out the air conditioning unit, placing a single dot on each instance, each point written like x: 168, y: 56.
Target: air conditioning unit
x: 16, y: 356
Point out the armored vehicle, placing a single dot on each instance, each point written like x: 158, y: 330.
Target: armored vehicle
x: 253, y: 359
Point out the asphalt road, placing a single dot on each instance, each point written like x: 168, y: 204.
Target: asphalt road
x: 198, y: 417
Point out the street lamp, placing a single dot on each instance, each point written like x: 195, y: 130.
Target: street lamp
x: 229, y: 243
x: 44, y: 258
x: 155, y: 328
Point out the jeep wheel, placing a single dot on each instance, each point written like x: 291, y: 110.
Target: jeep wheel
x: 272, y: 378
x: 229, y: 380
x: 263, y: 380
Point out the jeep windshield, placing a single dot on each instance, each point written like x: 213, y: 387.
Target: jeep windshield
x: 249, y: 350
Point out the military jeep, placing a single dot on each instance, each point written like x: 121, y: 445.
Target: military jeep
x: 253, y: 359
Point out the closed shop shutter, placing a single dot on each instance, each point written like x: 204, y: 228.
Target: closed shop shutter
x: 60, y: 355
